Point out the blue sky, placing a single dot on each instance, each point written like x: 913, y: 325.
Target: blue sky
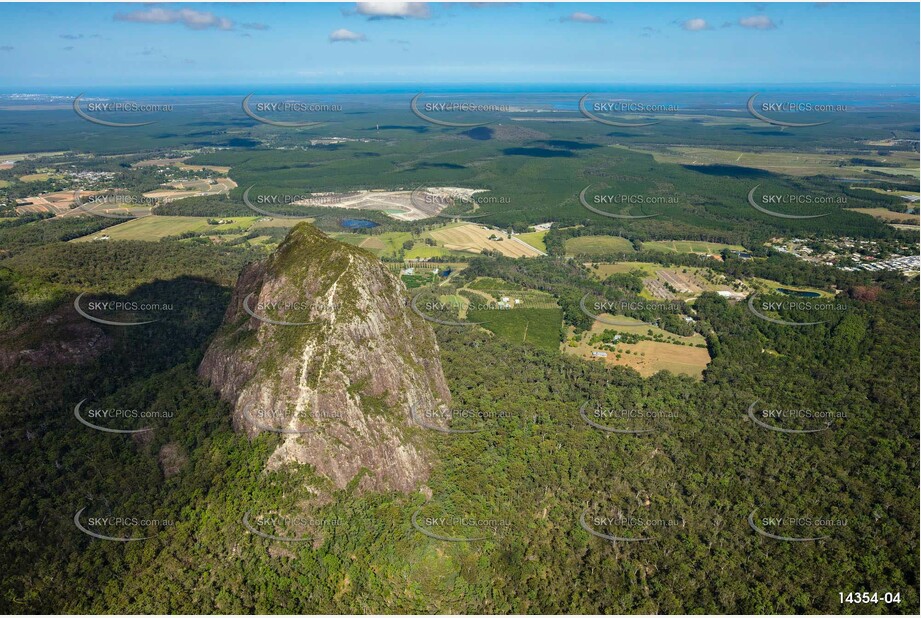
x: 146, y: 45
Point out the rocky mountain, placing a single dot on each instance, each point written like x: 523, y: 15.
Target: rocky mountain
x: 319, y: 345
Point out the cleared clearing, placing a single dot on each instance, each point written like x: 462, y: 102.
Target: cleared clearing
x: 180, y: 163
x: 651, y: 357
x: 889, y: 215
x: 793, y: 163
x: 192, y: 188
x: 154, y: 228
x: 598, y: 245
x: 689, y: 246
x: 401, y: 204
x: 535, y: 239
x: 474, y: 238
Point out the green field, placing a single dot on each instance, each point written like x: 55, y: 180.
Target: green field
x: 535, y: 239
x: 537, y: 320
x: 491, y: 283
x: 688, y: 246
x: 604, y: 271
x: 539, y: 327
x: 390, y: 244
x: 784, y: 161
x: 30, y: 155
x: 418, y: 280
x: 40, y: 177
x: 637, y: 327
x: 155, y: 227
x: 598, y: 245
x: 766, y: 285
x: 265, y: 222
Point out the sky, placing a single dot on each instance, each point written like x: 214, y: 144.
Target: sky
x: 90, y: 45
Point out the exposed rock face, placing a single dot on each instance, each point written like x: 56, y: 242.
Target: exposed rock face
x: 62, y: 338
x: 340, y: 388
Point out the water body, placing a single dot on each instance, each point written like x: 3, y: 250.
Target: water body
x: 357, y: 224
x: 798, y: 293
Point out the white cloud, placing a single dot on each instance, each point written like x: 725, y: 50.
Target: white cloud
x: 196, y: 20
x: 695, y: 25
x: 343, y: 35
x: 584, y: 18
x: 395, y: 10
x: 758, y: 22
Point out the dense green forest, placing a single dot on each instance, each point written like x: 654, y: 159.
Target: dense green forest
x: 534, y: 468
x: 548, y: 464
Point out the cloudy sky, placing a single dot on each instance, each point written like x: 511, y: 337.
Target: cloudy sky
x: 94, y: 45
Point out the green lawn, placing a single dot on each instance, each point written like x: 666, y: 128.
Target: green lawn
x: 539, y: 327
x: 688, y: 246
x: 535, y: 239
x: 598, y: 245
x: 156, y: 227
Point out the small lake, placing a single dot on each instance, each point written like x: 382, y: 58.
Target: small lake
x: 357, y: 224
x: 798, y: 293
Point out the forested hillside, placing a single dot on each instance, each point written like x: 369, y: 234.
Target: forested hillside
x: 533, y: 468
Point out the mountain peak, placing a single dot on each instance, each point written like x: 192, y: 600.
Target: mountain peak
x: 320, y: 346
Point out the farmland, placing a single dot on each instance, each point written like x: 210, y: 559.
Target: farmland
x: 668, y: 351
x: 689, y: 246
x: 154, y: 228
x: 650, y: 357
x: 188, y: 188
x: 536, y: 353
x: 785, y: 162
x: 890, y: 216
x: 598, y: 245
x: 530, y: 317
x: 535, y: 239
x: 477, y: 238
x: 538, y: 327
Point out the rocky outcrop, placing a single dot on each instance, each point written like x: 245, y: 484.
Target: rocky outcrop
x: 320, y: 346
x: 61, y: 338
